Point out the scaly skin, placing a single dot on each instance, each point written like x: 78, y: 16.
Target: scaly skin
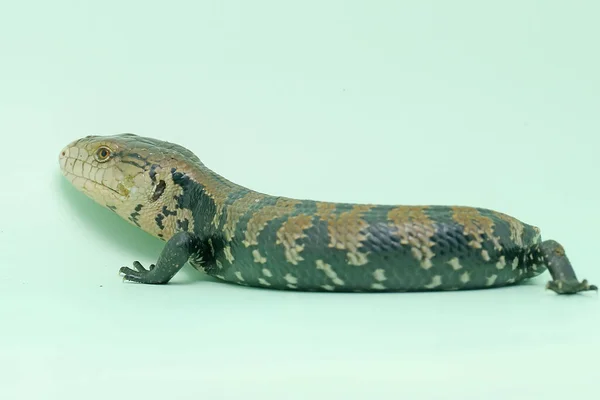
x: 249, y: 238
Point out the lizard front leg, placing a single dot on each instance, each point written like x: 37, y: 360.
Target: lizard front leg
x: 175, y: 254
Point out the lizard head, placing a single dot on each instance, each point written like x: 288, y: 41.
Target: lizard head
x: 132, y: 176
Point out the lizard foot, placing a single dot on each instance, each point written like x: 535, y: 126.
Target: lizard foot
x: 140, y: 274
x: 570, y: 286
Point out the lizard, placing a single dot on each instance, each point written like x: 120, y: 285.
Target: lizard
x: 242, y: 236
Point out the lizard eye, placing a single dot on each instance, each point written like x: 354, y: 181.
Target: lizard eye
x: 103, y: 154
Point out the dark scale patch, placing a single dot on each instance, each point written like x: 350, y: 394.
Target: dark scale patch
x: 380, y: 237
x: 137, y: 156
x: 529, y: 233
x: 179, y: 177
x: 159, y: 221
x: 450, y: 241
x: 133, y: 217
x: 168, y: 212
x: 134, y: 159
x: 183, y: 225
x: 112, y: 208
x: 450, y: 238
x: 195, y: 199
x: 135, y: 164
x: 152, y: 172
x: 179, y: 201
x: 158, y: 190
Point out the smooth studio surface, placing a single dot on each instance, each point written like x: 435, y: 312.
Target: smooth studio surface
x: 382, y: 102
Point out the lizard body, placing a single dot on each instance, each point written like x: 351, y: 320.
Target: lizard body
x: 245, y: 237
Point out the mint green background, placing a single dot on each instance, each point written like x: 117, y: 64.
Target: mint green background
x: 491, y: 104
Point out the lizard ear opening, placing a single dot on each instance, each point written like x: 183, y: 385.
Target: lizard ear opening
x: 159, y: 189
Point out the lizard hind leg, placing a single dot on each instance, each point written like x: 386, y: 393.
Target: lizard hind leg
x: 564, y: 280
